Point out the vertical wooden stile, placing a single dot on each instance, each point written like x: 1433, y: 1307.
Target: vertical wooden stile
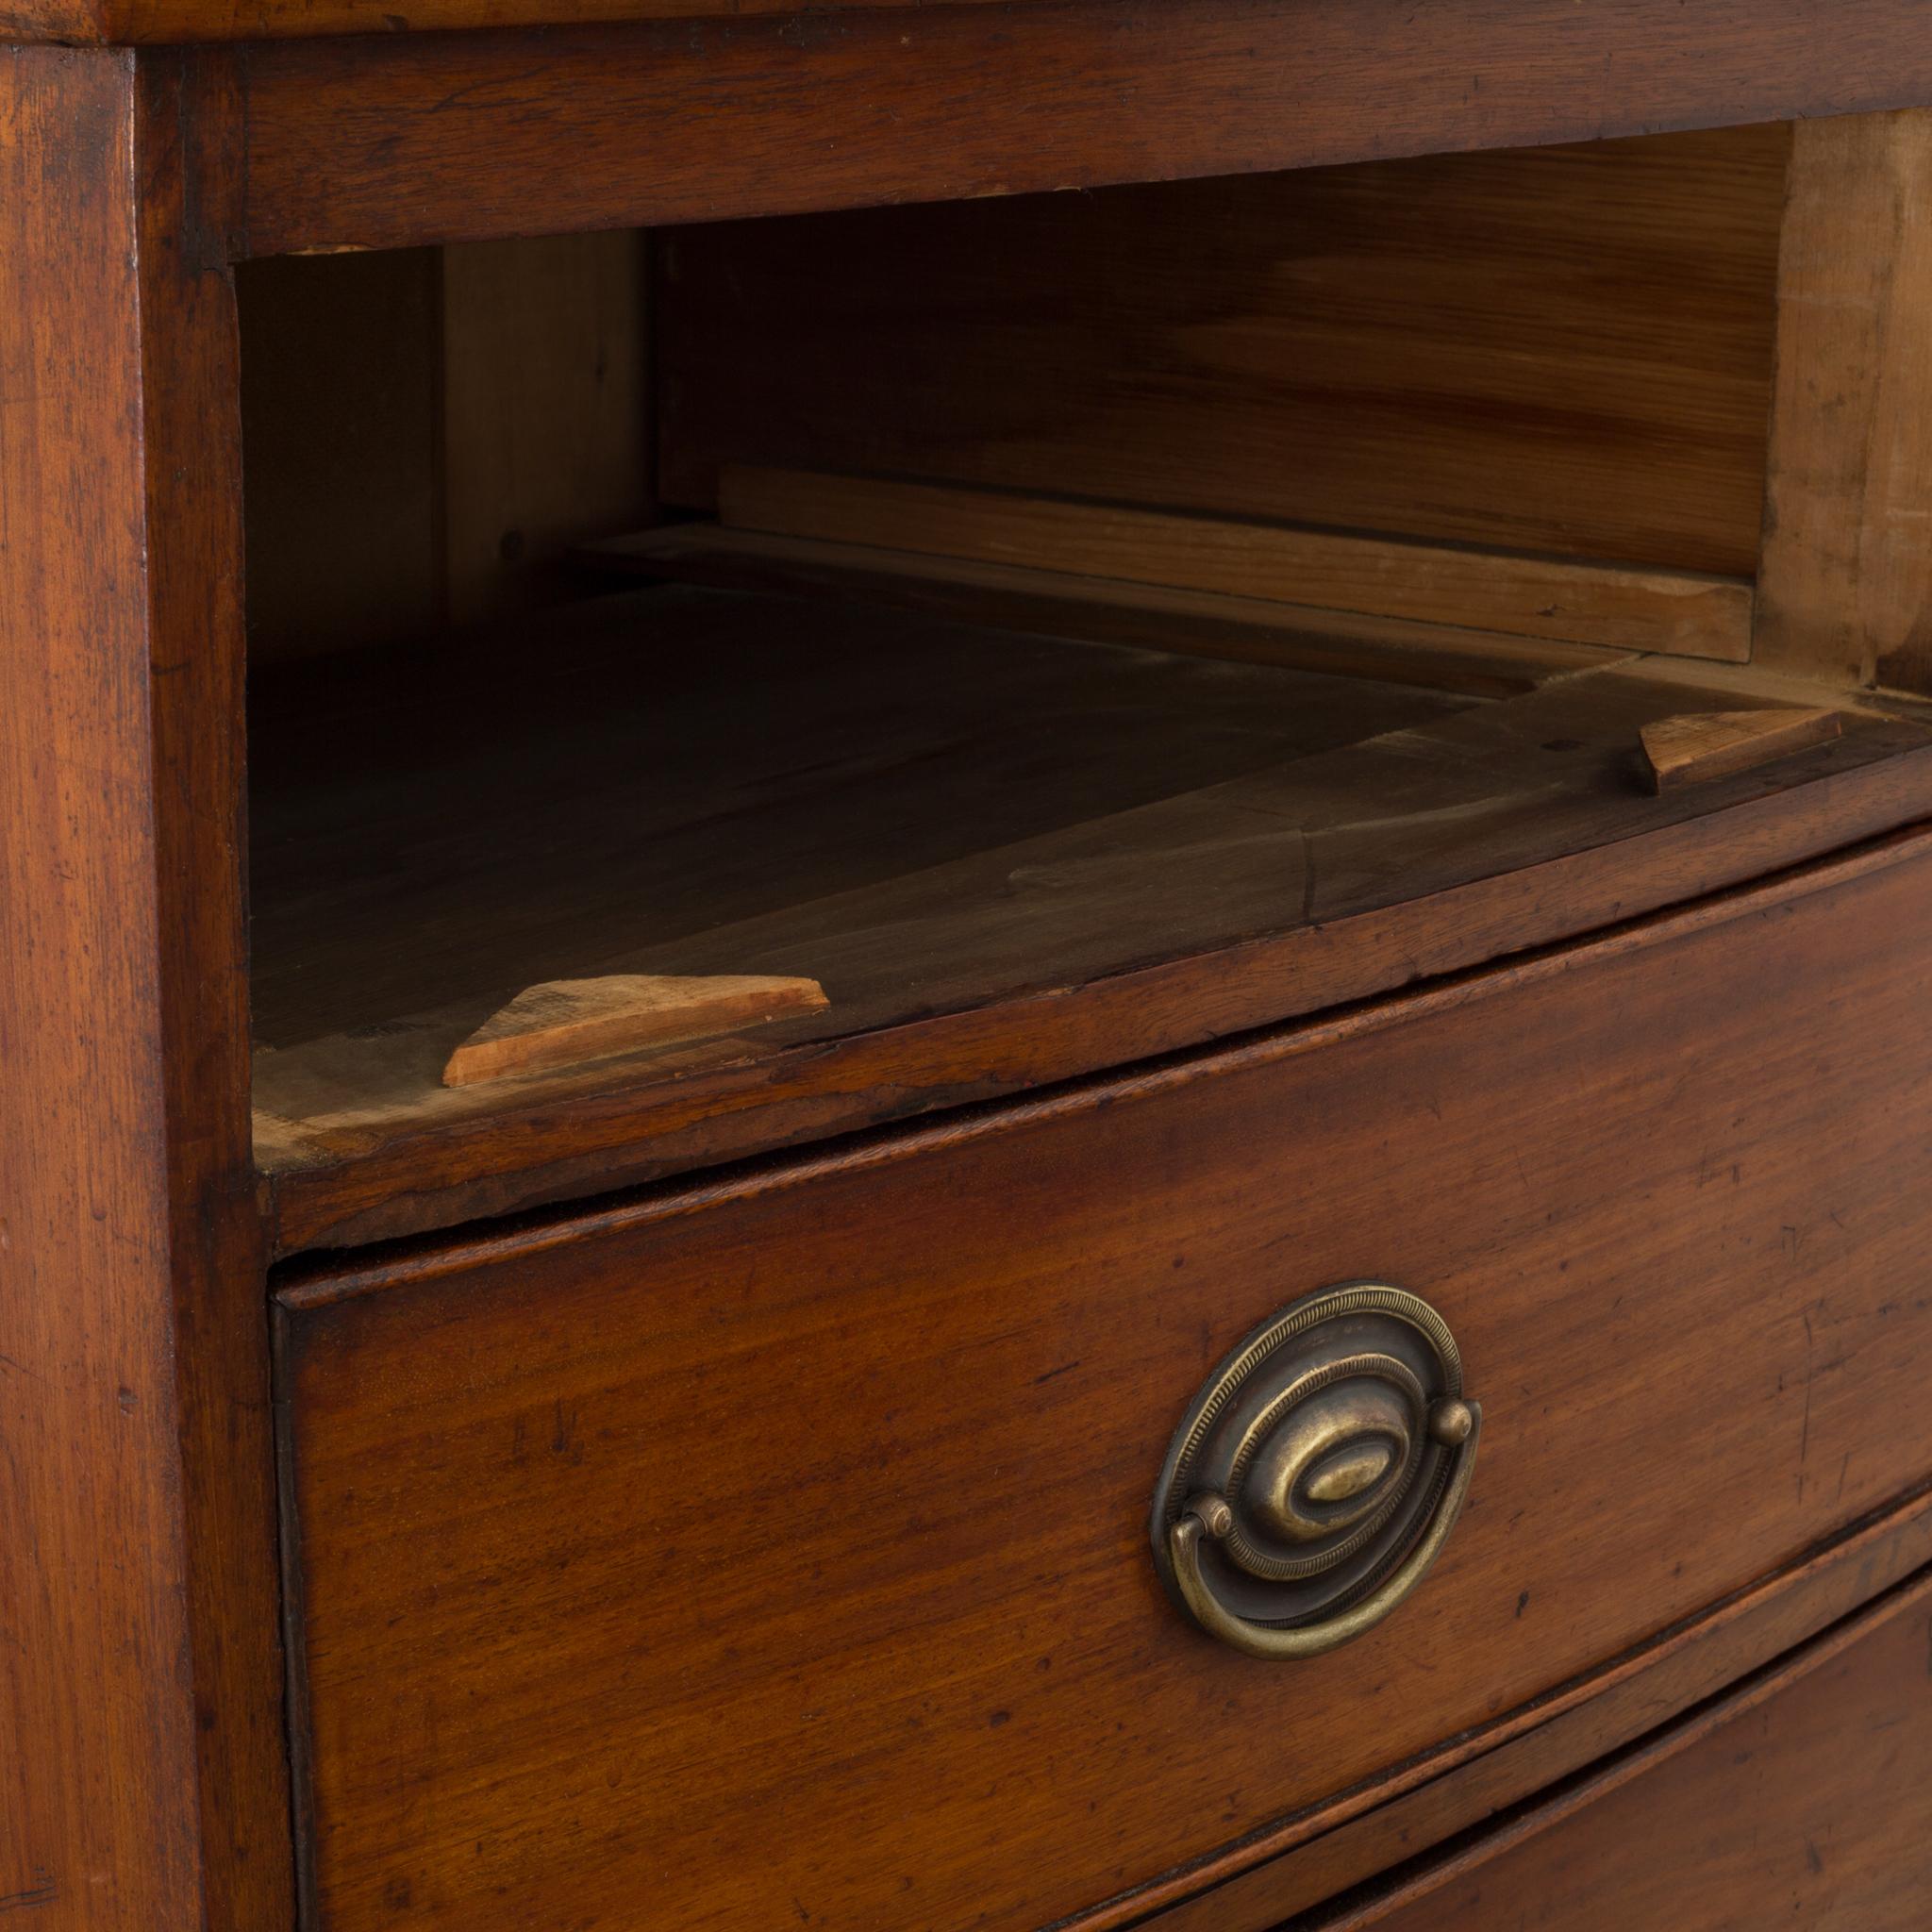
x: 143, y: 1778
x: 1845, y: 578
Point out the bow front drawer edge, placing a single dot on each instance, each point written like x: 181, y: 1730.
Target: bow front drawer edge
x: 773, y: 1551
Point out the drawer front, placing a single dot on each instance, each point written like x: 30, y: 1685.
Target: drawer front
x: 775, y: 1552
x: 1804, y: 1799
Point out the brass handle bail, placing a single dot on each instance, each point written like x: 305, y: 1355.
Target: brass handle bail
x: 1317, y: 1476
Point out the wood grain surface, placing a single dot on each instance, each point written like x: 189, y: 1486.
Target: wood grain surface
x: 544, y: 408
x: 1058, y: 603
x: 1713, y: 745
x: 192, y: 532
x: 374, y: 142
x: 1564, y: 350
x: 142, y: 1780
x: 1466, y: 586
x: 137, y: 22
x: 1846, y: 581
x: 563, y: 1022
x: 701, y: 1523
x: 429, y: 430
x: 1798, y: 1799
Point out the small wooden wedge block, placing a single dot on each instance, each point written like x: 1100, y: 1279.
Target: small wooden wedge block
x: 563, y: 1022
x: 1713, y: 745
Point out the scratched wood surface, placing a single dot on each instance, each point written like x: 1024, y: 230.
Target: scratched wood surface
x: 699, y: 1523
x: 698, y: 786
x: 689, y: 762
x: 142, y: 1776
x: 1802, y: 1799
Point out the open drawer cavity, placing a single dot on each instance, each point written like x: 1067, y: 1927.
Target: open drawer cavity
x: 723, y: 687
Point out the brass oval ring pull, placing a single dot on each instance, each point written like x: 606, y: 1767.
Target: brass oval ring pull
x: 1317, y: 1476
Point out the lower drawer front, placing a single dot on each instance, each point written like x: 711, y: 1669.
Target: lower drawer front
x: 1804, y: 1799
x: 773, y: 1553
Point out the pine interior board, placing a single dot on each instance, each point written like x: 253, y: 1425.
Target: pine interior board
x: 1683, y: 612
x: 1062, y: 603
x: 544, y: 373
x: 931, y: 820
x: 1565, y: 350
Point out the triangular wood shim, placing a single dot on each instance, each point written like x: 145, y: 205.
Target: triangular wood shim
x: 563, y: 1022
x: 1713, y: 745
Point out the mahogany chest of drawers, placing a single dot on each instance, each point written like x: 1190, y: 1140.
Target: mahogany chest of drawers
x: 892, y: 1052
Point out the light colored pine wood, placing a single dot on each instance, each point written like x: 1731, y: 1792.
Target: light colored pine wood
x: 1254, y: 630
x: 544, y: 409
x: 1681, y: 612
x: 1714, y: 744
x: 429, y: 430
x: 1846, y: 584
x: 564, y: 1022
